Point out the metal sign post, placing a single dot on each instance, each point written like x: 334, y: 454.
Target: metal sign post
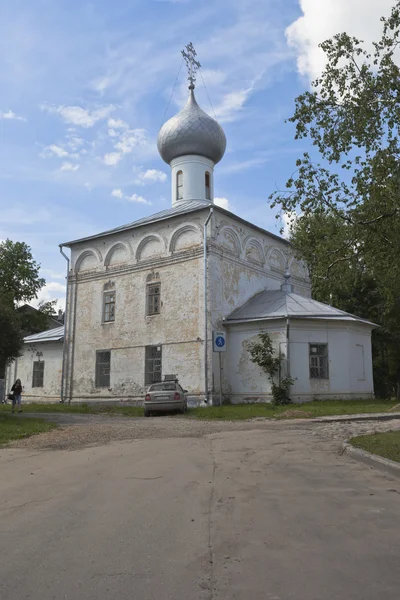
x: 219, y: 345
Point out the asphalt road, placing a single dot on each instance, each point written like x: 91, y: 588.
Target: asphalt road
x: 261, y: 514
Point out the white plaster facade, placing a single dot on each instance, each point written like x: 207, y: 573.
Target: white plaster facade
x: 349, y: 359
x: 241, y: 260
x: 194, y: 170
x: 49, y: 353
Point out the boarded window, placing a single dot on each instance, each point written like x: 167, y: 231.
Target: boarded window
x: 38, y: 373
x: 109, y: 307
x: 360, y: 367
x: 208, y: 189
x: 318, y: 361
x: 103, y: 360
x: 153, y: 365
x: 179, y: 185
x: 153, y: 299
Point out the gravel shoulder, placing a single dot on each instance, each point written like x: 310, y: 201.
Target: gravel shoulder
x: 77, y: 431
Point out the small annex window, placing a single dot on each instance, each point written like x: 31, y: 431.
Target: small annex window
x: 103, y: 362
x: 208, y: 188
x: 153, y: 299
x: 179, y: 185
x: 153, y: 364
x: 318, y: 355
x: 38, y: 373
x: 108, y: 307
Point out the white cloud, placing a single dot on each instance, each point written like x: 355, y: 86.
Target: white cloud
x: 118, y: 193
x: 243, y: 165
x: 323, y: 19
x: 55, y: 150
x: 117, y: 124
x: 52, y: 291
x: 78, y: 115
x: 288, y: 220
x: 9, y: 114
x: 130, y: 139
x: 67, y: 166
x: 223, y: 203
x: 231, y: 104
x: 138, y: 199
x: 151, y: 176
x: 112, y: 158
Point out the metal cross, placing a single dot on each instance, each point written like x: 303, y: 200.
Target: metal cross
x: 191, y: 63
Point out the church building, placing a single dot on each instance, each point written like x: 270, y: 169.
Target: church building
x: 144, y: 300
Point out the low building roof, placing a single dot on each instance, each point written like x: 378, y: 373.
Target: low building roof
x: 279, y: 304
x: 182, y: 209
x: 52, y: 335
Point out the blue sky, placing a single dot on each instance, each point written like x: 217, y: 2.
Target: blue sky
x: 84, y: 87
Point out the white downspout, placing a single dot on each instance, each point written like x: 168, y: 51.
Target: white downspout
x: 62, y: 399
x: 206, y: 306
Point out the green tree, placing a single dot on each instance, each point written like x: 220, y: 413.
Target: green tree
x: 348, y: 195
x: 19, y: 282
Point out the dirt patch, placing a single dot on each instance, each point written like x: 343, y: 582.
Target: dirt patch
x: 291, y: 414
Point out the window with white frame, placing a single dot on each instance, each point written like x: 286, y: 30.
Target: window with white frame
x: 318, y: 354
x: 208, y: 188
x: 103, y: 362
x: 108, y: 307
x: 38, y: 373
x: 153, y: 299
x: 179, y: 185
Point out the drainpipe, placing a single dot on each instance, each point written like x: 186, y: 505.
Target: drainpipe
x: 288, y: 347
x: 62, y: 399
x: 205, y: 306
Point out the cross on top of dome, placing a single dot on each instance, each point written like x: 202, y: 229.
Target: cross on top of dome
x: 192, y: 64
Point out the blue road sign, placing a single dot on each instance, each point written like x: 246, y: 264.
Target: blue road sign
x: 219, y: 341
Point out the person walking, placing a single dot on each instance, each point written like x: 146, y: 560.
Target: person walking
x: 17, y: 391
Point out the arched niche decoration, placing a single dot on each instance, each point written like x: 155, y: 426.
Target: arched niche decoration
x: 229, y: 239
x: 297, y: 268
x: 253, y: 250
x: 276, y: 259
x: 185, y: 237
x: 118, y: 254
x: 88, y: 260
x: 150, y: 247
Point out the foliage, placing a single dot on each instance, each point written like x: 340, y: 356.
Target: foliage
x: 19, y: 282
x: 263, y: 354
x: 19, y: 272
x: 10, y: 328
x: 349, y: 200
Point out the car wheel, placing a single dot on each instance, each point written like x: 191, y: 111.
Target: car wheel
x: 146, y: 413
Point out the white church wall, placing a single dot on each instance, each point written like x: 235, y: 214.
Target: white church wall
x: 349, y: 377
x: 22, y: 368
x: 179, y: 328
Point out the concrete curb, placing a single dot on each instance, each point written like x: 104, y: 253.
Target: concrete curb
x: 357, y: 417
x: 389, y: 467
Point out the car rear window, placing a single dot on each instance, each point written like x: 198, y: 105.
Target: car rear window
x: 166, y: 387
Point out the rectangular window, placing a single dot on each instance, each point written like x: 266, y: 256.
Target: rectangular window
x: 103, y: 360
x: 179, y: 185
x: 153, y: 365
x: 108, y: 307
x: 38, y: 373
x: 153, y: 299
x: 318, y: 361
x: 360, y: 367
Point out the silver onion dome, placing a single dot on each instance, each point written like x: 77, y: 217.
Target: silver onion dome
x: 191, y: 131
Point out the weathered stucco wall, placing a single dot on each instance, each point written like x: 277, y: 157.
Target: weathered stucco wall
x: 349, y: 376
x: 168, y: 253
x: 244, y: 261
x: 22, y: 368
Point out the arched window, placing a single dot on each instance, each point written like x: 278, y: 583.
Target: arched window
x: 179, y: 185
x: 208, y: 191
